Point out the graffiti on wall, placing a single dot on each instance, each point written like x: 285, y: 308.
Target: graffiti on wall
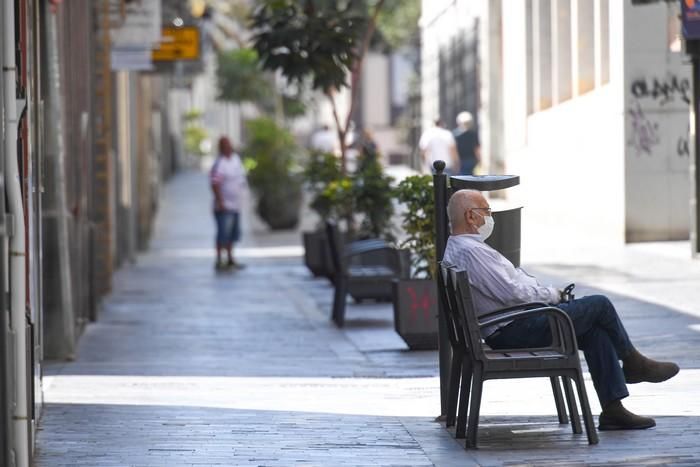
x: 663, y: 91
x: 682, y: 144
x: 645, y: 132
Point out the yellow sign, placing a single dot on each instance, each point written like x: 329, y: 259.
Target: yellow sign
x: 177, y: 44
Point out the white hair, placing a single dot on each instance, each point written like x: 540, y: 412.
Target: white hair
x: 458, y: 204
x: 465, y: 120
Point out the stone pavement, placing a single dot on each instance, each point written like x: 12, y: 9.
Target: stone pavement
x: 189, y: 367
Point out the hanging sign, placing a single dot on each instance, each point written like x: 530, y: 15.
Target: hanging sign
x: 177, y: 43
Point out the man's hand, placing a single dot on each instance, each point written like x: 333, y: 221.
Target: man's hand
x: 567, y: 294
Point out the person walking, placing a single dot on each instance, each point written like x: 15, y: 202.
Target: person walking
x: 496, y: 283
x: 468, y: 146
x: 229, y: 185
x: 437, y: 143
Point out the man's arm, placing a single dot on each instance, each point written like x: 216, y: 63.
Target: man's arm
x: 216, y: 180
x: 455, y: 156
x: 497, y: 277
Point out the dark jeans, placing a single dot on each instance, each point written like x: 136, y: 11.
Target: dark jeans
x: 599, y: 333
x: 227, y: 228
x: 467, y: 167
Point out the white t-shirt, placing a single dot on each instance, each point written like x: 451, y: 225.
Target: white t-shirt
x: 324, y: 141
x: 228, y: 173
x: 436, y: 142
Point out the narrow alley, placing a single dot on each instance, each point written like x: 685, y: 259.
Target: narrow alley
x: 190, y: 367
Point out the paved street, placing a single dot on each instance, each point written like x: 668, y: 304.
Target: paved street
x: 189, y: 367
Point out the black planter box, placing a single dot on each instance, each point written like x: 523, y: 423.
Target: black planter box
x: 415, y: 312
x: 314, y: 245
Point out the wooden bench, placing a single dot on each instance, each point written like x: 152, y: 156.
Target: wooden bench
x: 364, y: 269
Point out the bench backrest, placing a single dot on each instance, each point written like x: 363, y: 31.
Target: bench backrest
x: 459, y: 284
x: 448, y: 298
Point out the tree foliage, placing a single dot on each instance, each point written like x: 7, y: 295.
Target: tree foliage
x: 398, y: 22
x: 310, y: 39
x: 240, y: 78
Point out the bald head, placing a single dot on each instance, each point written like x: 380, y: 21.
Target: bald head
x: 459, y: 211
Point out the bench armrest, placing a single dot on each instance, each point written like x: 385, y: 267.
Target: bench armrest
x: 522, y: 306
x: 563, y: 333
x: 364, y: 249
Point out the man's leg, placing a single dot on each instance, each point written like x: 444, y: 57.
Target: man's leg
x: 602, y: 337
x: 220, y: 238
x: 234, y: 236
x: 604, y: 340
x: 597, y: 312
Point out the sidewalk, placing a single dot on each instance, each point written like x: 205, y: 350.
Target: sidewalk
x: 187, y: 367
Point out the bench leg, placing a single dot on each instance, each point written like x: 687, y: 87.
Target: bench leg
x: 453, y: 388
x: 339, y: 301
x: 461, y: 431
x: 586, y: 410
x: 474, y: 406
x: 571, y: 402
x: 558, y: 399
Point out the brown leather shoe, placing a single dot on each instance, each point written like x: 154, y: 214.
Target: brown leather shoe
x: 616, y: 417
x: 643, y: 369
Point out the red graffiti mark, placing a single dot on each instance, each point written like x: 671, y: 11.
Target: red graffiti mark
x: 424, y: 303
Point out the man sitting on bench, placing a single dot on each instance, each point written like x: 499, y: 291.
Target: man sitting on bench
x: 496, y: 283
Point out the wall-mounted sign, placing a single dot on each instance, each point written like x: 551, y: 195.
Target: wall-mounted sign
x: 177, y: 43
x: 135, y: 30
x: 691, y: 18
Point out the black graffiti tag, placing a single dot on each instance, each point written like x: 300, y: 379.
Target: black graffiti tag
x: 682, y: 144
x: 662, y: 90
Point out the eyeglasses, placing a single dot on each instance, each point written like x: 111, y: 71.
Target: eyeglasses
x: 488, y: 210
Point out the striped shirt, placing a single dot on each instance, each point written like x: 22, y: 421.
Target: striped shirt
x: 495, y: 282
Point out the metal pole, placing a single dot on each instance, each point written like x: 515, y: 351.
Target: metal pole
x: 444, y: 350
x: 4, y: 325
x: 18, y: 271
x: 65, y: 347
x: 695, y: 161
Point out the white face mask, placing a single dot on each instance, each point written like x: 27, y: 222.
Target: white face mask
x: 487, y: 229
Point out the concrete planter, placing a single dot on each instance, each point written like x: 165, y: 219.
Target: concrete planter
x: 415, y: 312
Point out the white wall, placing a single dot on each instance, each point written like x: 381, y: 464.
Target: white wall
x: 570, y: 157
x: 657, y: 94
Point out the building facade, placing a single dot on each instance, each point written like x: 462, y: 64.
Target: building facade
x: 87, y: 142
x: 586, y: 100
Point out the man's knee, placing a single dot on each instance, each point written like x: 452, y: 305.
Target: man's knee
x: 601, y: 301
x: 602, y: 306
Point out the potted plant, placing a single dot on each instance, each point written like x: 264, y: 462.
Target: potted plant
x: 373, y: 196
x: 415, y: 299
x: 271, y: 157
x: 321, y: 169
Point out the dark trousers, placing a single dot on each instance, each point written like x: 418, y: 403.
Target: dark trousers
x: 599, y: 333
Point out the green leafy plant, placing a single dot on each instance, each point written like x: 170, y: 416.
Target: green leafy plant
x: 416, y: 194
x: 195, y: 135
x: 338, y: 198
x: 240, y: 78
x: 373, y: 197
x: 321, y: 169
x: 272, y: 157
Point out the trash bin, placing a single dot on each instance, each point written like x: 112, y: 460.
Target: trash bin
x: 505, y: 239
x: 506, y: 233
